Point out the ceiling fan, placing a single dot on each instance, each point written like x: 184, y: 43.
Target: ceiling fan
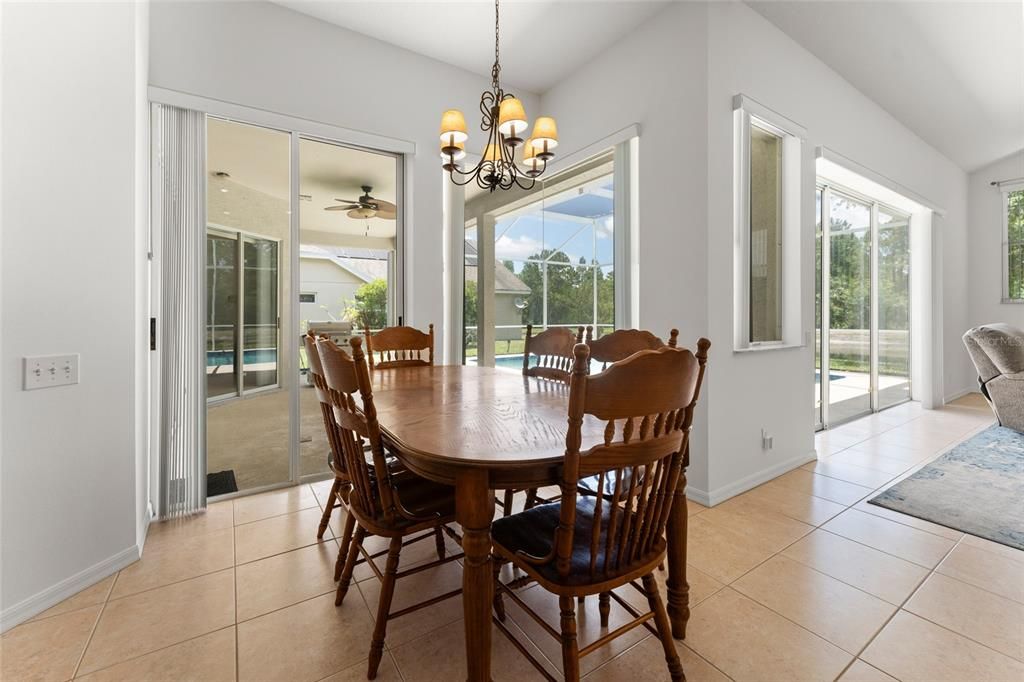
x: 366, y: 207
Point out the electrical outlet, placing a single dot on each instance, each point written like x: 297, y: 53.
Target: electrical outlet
x: 45, y: 371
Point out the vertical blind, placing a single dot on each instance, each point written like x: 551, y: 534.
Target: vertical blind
x: 180, y: 212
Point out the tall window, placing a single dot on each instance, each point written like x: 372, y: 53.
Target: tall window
x: 1013, y: 244
x: 767, y: 223
x: 552, y: 263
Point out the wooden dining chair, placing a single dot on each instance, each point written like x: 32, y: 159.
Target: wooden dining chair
x: 615, y: 347
x: 341, y: 485
x: 400, y: 347
x: 585, y: 545
x: 622, y: 343
x: 553, y: 350
x: 398, y: 505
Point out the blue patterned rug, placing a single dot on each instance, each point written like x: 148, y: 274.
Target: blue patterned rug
x: 977, y: 487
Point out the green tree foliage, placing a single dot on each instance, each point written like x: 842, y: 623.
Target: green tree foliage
x: 369, y: 307
x: 570, y: 290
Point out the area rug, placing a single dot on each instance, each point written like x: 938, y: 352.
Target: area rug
x: 977, y: 487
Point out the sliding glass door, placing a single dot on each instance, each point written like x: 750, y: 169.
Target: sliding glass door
x: 301, y: 234
x: 862, y: 359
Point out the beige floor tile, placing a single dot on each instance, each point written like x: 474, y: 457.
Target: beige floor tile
x: 883, y: 575
x: 694, y: 508
x: 304, y: 642
x: 646, y: 661
x: 217, y: 516
x: 210, y: 658
x: 795, y: 505
x: 906, y: 520
x: 387, y: 671
x: 274, y: 503
x: 872, y: 449
x: 702, y: 586
x: 90, y: 596
x: 322, y: 490
x: 834, y: 468
x: 748, y: 641
x: 278, y: 534
x: 1003, y: 550
x: 152, y: 620
x: 842, y: 614
x: 723, y: 553
x: 859, y: 671
x: 421, y: 552
x: 285, y: 579
x: 911, y: 649
x: 441, y: 655
x: 48, y: 649
x: 170, y: 562
x: 864, y: 460
x: 412, y: 590
x: 810, y: 483
x: 987, y: 618
x: 985, y: 569
x: 771, y: 529
x: 893, y: 538
x: 588, y: 627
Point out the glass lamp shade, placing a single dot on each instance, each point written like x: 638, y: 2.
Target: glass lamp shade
x: 545, y: 135
x: 453, y: 127
x: 511, y: 117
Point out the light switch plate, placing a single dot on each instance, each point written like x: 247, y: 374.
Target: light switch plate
x: 45, y: 371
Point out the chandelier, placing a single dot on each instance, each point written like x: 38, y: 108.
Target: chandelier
x: 504, y: 120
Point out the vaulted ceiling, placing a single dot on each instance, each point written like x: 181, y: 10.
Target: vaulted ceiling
x: 542, y: 41
x: 953, y: 72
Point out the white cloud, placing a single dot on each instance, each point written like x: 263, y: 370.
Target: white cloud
x: 516, y: 248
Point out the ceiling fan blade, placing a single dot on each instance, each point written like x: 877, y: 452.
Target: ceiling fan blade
x: 386, y: 206
x: 350, y: 201
x: 387, y: 215
x: 341, y: 208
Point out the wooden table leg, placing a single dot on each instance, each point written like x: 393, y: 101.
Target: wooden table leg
x: 678, y: 588
x: 474, y: 510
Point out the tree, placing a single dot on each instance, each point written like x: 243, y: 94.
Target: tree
x: 369, y: 307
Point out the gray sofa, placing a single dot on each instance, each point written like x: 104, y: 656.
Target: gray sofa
x: 998, y: 353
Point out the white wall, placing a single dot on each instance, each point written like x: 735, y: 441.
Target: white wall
x: 70, y: 128
x: 984, y: 248
x: 676, y: 76
x: 264, y: 56
x: 656, y: 76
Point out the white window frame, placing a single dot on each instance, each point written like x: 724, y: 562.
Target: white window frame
x: 1004, y: 238
x: 747, y: 112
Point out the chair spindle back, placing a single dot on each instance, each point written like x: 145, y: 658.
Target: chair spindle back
x: 647, y: 402
x: 316, y: 374
x: 553, y: 348
x: 400, y: 347
x: 622, y: 343
x: 345, y: 376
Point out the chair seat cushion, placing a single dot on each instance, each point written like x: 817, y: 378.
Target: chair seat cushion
x: 533, y: 532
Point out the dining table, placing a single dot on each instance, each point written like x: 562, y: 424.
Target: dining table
x: 482, y: 429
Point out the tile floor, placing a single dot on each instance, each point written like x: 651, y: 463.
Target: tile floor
x: 799, y: 579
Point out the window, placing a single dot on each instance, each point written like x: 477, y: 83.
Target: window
x: 545, y: 258
x: 307, y: 298
x: 1013, y: 243
x: 767, y: 216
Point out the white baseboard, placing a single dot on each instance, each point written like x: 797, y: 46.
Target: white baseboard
x: 719, y: 495
x: 960, y: 394
x: 68, y: 587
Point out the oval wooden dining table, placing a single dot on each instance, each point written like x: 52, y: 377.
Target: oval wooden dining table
x: 482, y: 429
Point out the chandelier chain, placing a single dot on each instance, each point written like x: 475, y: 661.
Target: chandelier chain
x: 496, y: 69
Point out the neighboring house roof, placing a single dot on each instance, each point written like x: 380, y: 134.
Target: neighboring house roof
x: 365, y: 264
x: 505, y: 281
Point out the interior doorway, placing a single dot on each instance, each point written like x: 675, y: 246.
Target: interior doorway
x: 862, y: 306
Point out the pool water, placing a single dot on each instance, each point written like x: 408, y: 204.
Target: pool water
x: 216, y: 358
